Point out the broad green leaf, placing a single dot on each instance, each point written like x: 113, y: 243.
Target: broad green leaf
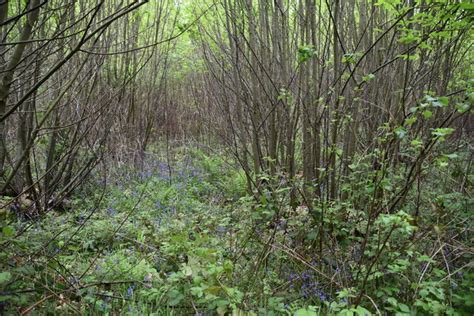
x: 404, y: 308
x: 442, y: 132
x: 427, y: 114
x: 361, y: 311
x: 5, y: 277
x: 305, y: 312
x: 8, y: 231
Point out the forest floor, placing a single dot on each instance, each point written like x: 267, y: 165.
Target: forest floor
x: 129, y: 242
x: 183, y: 240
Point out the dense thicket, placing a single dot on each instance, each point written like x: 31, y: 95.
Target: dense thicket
x: 345, y: 127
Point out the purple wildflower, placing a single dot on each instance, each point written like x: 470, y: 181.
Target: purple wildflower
x: 130, y: 291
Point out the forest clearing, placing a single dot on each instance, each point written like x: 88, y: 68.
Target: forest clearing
x: 236, y: 157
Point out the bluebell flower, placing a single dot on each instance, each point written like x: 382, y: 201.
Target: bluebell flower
x: 130, y: 291
x: 158, y: 205
x: 305, y: 276
x: 111, y: 211
x: 322, y: 297
x: 148, y: 277
x: 221, y: 229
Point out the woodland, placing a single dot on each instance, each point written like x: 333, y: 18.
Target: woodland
x: 236, y: 157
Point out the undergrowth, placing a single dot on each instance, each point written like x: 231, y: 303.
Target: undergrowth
x: 186, y: 239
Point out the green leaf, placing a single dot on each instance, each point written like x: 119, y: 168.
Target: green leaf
x: 410, y: 121
x: 404, y: 308
x: 427, y: 114
x: 392, y: 301
x: 8, y: 231
x: 400, y: 132
x: 197, y: 291
x: 362, y: 311
x: 175, y: 298
x: 228, y: 266
x: 187, y: 270
x: 349, y: 58
x: 305, y: 53
x: 408, y: 38
x: 462, y: 107
x: 305, y: 312
x: 416, y: 142
x: 424, y: 258
x: 442, y: 132
x: 468, y: 6
x: 368, y: 77
x: 444, y: 101
x: 409, y: 57
x: 452, y: 156
x: 346, y: 312
x: 5, y: 277
x: 437, y: 102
